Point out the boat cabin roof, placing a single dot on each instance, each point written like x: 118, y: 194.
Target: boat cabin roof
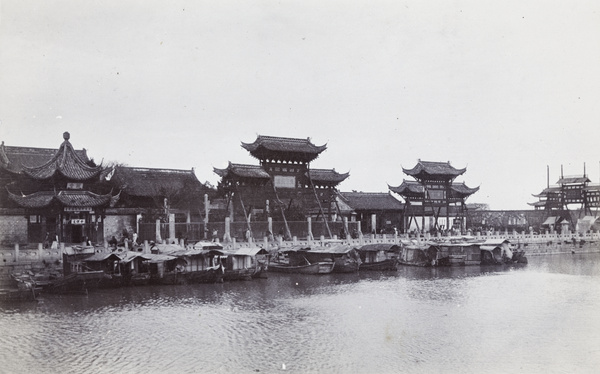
x: 99, y: 257
x: 378, y: 247
x: 251, y: 251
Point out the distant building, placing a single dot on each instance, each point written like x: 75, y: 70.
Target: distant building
x: 570, y: 194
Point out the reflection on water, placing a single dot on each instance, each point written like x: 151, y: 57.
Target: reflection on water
x: 537, y: 318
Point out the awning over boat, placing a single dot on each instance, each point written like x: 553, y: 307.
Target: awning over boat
x: 99, y: 257
x: 130, y: 256
x: 495, y: 242
x: 335, y: 248
x: 252, y: 251
x: 489, y: 248
x: 207, y: 245
x: 379, y: 247
x: 157, y: 258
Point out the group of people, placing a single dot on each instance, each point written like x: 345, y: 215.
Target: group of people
x: 125, y: 241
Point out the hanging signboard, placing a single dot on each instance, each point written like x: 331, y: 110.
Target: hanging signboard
x: 284, y: 181
x: 74, y: 186
x: 78, y: 221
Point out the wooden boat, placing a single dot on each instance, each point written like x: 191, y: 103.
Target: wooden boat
x: 244, y: 263
x: 76, y: 282
x: 345, y: 257
x: 379, y: 257
x: 134, y: 268
x: 413, y: 254
x: 109, y: 263
x: 316, y: 268
x: 23, y: 289
x: 293, y: 260
x: 199, y: 265
x: 501, y: 253
x: 77, y: 276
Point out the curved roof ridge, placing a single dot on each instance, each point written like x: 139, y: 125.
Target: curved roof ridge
x: 66, y: 162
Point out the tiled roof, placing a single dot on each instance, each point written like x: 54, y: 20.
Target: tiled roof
x: 293, y: 149
x: 147, y: 182
x: 574, y: 180
x: 65, y: 198
x: 66, y: 162
x: 538, y: 204
x: 555, y: 190
x: 460, y: 190
x: 416, y: 190
x: 15, y: 158
x: 243, y: 171
x: 409, y: 188
x: 437, y: 170
x: 371, y: 201
x: 327, y: 176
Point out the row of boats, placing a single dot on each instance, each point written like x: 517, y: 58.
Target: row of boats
x: 208, y: 262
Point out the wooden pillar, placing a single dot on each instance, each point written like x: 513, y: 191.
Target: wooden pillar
x: 374, y: 223
x: 227, y: 236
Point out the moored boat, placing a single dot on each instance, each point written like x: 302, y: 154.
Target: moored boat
x: 500, y: 253
x: 23, y: 288
x: 75, y: 282
x: 294, y: 261
x: 345, y: 257
x: 417, y: 254
x: 379, y: 257
x: 245, y: 263
x: 109, y: 263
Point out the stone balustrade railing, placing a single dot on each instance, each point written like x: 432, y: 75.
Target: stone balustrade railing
x: 40, y: 254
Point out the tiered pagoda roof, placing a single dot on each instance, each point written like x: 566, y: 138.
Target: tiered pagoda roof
x: 68, y: 198
x: 549, y: 191
x: 326, y: 176
x: 428, y: 170
x: 242, y: 171
x: 146, y: 181
x: 66, y: 162
x: 14, y: 158
x: 283, y: 149
x: 409, y: 189
x: 415, y: 191
x: 460, y: 190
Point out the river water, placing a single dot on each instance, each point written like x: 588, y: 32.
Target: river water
x: 539, y: 318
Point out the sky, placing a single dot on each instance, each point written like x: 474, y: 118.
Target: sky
x: 507, y: 89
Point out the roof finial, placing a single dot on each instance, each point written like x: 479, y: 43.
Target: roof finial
x: 66, y: 135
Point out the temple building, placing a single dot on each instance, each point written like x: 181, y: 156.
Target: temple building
x: 50, y: 193
x: 151, y: 194
x: 283, y: 185
x: 62, y: 194
x: 434, y: 194
x: 377, y: 212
